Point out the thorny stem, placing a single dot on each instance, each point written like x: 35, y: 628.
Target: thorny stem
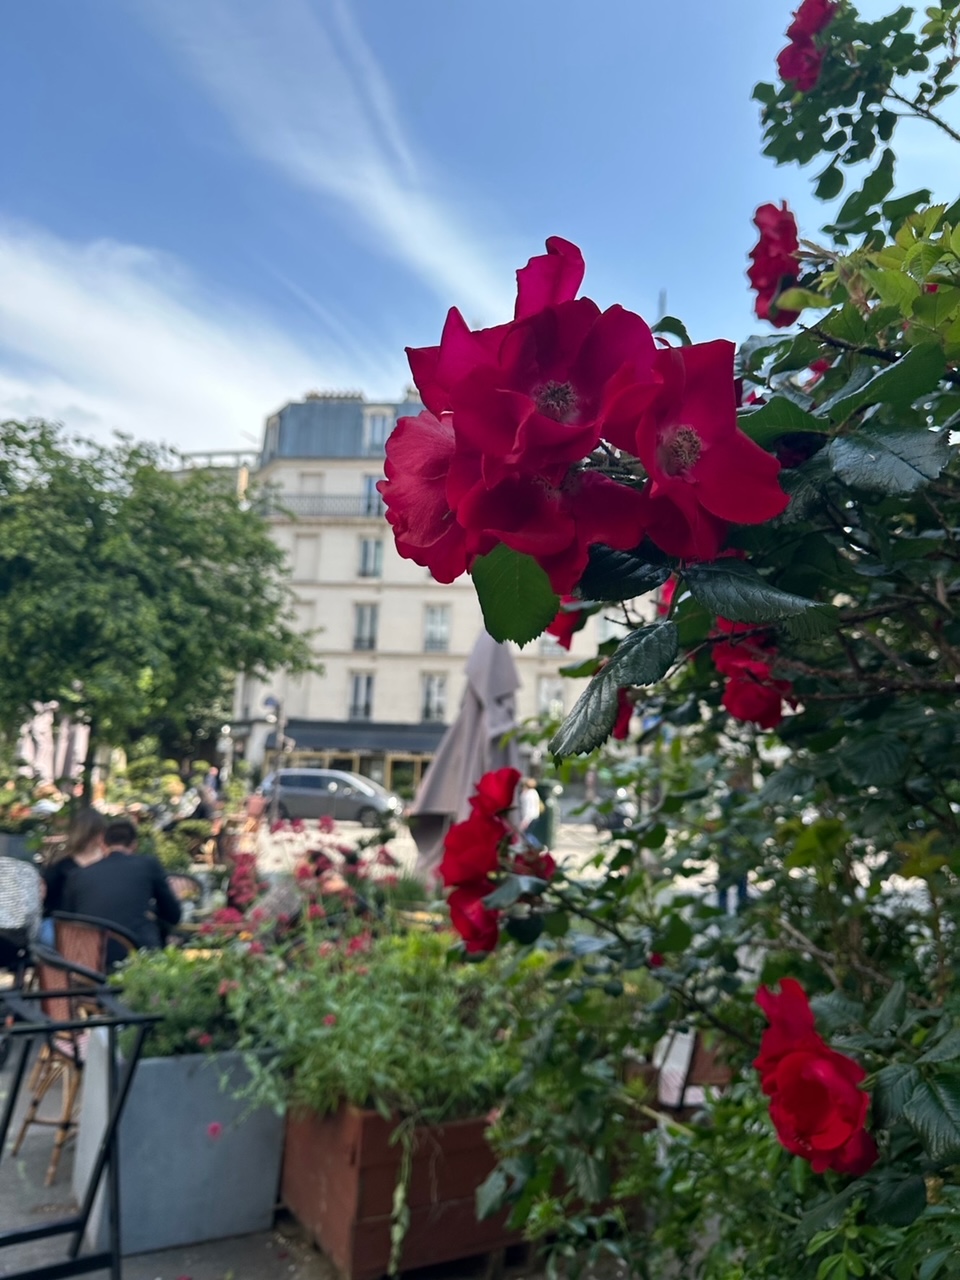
x: 924, y: 113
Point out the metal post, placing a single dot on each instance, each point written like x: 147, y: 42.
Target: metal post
x: 281, y: 749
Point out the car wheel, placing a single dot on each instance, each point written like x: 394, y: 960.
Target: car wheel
x: 368, y: 817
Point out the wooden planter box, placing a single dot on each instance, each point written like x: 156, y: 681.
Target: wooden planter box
x: 339, y: 1176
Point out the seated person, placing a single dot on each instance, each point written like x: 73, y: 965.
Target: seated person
x: 127, y: 889
x: 20, y: 906
x: 84, y: 845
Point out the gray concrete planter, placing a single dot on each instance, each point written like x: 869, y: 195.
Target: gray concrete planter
x: 180, y: 1181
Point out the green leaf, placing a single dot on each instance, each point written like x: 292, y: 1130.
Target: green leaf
x: 491, y: 1194
x: 511, y: 889
x: 945, y: 1050
x: 898, y: 385
x: 734, y: 590
x: 515, y: 595
x: 892, y: 1089
x: 676, y: 936
x: 642, y: 657
x: 936, y: 310
x: 900, y: 1202
x: 525, y: 929
x: 933, y: 1264
x: 894, y: 288
x: 890, y: 1014
x: 829, y: 182
x: 620, y: 575
x: 876, y: 761
x: 888, y: 461
x: 933, y: 1112
x: 796, y: 299
x: 673, y: 326
x: 775, y: 418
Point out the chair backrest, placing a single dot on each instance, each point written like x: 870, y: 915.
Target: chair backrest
x: 55, y: 973
x: 86, y: 941
x: 186, y: 888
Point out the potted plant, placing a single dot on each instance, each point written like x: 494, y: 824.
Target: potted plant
x: 390, y: 1059
x: 184, y: 1112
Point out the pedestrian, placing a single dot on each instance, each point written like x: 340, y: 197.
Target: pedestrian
x: 531, y: 806
x: 83, y: 847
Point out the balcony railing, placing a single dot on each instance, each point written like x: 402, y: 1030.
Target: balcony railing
x: 346, y: 506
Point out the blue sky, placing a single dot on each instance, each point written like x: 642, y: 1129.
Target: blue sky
x: 211, y: 206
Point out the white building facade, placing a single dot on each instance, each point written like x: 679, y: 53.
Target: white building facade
x: 393, y: 641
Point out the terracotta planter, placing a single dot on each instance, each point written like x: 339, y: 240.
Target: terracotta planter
x: 339, y: 1176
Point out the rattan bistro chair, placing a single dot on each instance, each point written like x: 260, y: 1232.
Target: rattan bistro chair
x: 78, y: 965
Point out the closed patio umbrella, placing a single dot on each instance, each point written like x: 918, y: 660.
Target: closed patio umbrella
x: 471, y: 746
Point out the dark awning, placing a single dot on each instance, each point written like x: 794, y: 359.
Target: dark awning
x: 361, y: 735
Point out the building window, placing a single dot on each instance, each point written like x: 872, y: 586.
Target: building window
x: 550, y: 646
x: 437, y: 629
x: 434, y: 698
x: 376, y: 428
x: 365, y: 626
x: 550, y: 696
x: 371, y: 558
x: 361, y: 695
x: 306, y: 553
x: 372, y: 502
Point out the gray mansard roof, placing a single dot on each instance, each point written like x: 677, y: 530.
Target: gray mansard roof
x: 331, y: 426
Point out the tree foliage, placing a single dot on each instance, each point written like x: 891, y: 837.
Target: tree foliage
x: 131, y: 591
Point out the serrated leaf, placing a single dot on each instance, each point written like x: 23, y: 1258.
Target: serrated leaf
x: 620, y: 575
x: 936, y: 310
x: 933, y: 1112
x: 817, y: 621
x: 515, y: 595
x: 946, y: 1050
x: 898, y: 385
x: 785, y: 784
x: 642, y: 657
x: 577, y: 670
x: 776, y: 418
x: 920, y: 260
x: 891, y: 461
x: 893, y: 287
x: 491, y: 1194
x: 835, y: 1011
x: 796, y: 299
x: 892, y: 1008
x: 898, y: 1202
x: 875, y: 761
x: 734, y: 590
x: 893, y: 1087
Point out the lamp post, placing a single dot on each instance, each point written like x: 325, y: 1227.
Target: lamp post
x: 276, y: 716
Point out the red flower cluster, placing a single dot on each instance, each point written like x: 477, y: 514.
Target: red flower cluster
x: 473, y: 852
x: 751, y: 692
x: 775, y: 264
x: 816, y: 1104
x: 569, y: 620
x: 244, y: 885
x: 800, y: 62
x: 513, y: 412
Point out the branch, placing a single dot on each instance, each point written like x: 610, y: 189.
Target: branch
x: 924, y: 113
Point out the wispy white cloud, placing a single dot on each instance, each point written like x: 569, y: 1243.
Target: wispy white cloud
x: 108, y: 336
x: 305, y: 94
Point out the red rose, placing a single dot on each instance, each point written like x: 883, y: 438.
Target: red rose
x: 419, y: 453
x: 799, y: 64
x: 621, y: 728
x: 477, y: 926
x: 700, y: 463
x: 495, y: 791
x: 775, y: 264
x: 667, y: 593
x: 569, y: 620
x: 471, y: 849
x: 751, y: 693
x: 816, y: 1104
x: 531, y: 863
x: 534, y: 395
x: 811, y: 18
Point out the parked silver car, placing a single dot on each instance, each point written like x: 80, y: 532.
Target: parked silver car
x: 345, y: 797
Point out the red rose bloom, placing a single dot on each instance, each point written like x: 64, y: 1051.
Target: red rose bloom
x: 494, y: 792
x: 800, y: 62
x: 477, y: 926
x: 811, y: 18
x: 621, y: 727
x: 704, y: 470
x: 775, y: 265
x: 534, y: 395
x: 569, y: 620
x: 471, y: 849
x: 530, y: 863
x: 816, y: 1104
x: 751, y: 693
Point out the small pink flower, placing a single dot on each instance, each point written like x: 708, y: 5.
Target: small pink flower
x: 330, y: 1020
x: 214, y: 1130
x: 316, y: 912
x: 656, y: 960
x: 325, y: 949
x: 226, y: 986
x: 256, y: 948
x: 205, y: 1040
x: 326, y: 824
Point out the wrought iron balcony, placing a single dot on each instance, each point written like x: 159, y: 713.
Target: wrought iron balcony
x: 342, y: 506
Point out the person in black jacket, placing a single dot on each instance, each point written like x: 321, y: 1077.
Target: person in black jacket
x: 127, y: 889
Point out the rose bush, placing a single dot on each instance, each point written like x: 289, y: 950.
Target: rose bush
x: 793, y: 597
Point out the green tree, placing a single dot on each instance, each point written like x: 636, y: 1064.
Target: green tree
x: 131, y: 591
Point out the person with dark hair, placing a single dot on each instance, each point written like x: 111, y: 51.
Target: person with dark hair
x: 127, y: 889
x: 83, y: 846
